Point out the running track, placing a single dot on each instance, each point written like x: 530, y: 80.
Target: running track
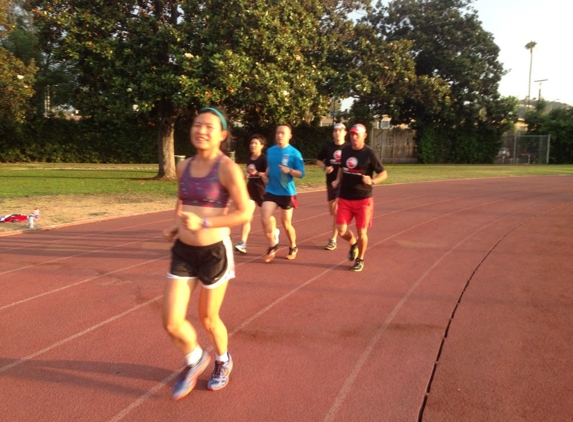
x: 464, y: 312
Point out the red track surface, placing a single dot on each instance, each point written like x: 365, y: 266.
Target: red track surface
x: 464, y: 312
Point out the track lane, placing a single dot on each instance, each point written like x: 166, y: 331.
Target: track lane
x: 300, y: 326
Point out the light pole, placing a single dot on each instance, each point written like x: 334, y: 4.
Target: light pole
x: 540, y: 82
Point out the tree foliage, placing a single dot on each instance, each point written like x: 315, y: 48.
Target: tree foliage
x: 559, y: 124
x: 265, y: 61
x: 383, y: 72
x: 16, y: 77
x: 462, y: 112
x: 428, y: 63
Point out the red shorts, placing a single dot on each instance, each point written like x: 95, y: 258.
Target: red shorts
x: 361, y: 209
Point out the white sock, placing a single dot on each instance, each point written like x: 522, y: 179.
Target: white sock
x: 223, y: 358
x: 195, y: 356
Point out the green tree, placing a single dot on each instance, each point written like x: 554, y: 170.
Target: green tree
x: 463, y: 124
x: 54, y: 81
x: 265, y: 61
x: 383, y: 76
x: 16, y: 77
x: 559, y: 124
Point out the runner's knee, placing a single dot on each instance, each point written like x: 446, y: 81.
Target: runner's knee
x: 173, y: 327
x: 210, y: 323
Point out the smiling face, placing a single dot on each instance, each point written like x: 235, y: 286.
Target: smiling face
x: 283, y: 136
x: 207, y: 132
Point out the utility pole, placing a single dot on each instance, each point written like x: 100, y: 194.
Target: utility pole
x: 540, y: 82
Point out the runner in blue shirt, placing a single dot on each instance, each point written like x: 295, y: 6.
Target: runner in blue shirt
x: 284, y: 164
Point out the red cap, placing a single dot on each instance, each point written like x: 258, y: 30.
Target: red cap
x: 358, y: 129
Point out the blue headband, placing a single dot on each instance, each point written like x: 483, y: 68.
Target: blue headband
x: 218, y: 113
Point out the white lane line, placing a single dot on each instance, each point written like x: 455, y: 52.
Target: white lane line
x: 347, y: 386
x: 82, y: 235
x: 75, y: 336
x: 267, y: 308
x: 78, y: 283
x: 79, y: 254
x: 158, y: 386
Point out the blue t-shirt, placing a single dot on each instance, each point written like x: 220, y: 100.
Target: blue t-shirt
x: 281, y: 184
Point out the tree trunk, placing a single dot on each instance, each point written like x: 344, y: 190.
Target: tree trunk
x: 166, y: 149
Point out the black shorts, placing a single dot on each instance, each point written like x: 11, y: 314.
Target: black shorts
x: 285, y: 202
x: 332, y: 193
x: 256, y: 193
x: 213, y: 264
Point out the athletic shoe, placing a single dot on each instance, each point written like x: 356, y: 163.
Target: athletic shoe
x: 277, y: 232
x: 292, y: 253
x: 220, y: 376
x: 331, y: 245
x: 353, y: 252
x: 358, y: 265
x: 241, y: 247
x: 188, y: 377
x: 271, y: 253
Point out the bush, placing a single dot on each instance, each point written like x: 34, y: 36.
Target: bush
x: 59, y: 140
x: 83, y: 141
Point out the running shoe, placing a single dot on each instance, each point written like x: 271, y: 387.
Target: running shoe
x: 220, y: 376
x: 358, y: 265
x: 353, y: 252
x: 241, y: 247
x: 292, y: 253
x: 331, y: 245
x: 188, y: 377
x: 277, y: 232
x: 271, y: 253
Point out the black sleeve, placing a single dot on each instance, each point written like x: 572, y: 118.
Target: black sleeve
x: 323, y: 154
x: 376, y: 163
x: 262, y: 167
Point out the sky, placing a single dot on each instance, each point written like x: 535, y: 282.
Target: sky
x: 513, y: 24
x: 549, y: 23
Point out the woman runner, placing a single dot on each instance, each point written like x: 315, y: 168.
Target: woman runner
x: 202, y: 253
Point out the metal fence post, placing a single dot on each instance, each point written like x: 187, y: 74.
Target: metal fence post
x: 514, y: 148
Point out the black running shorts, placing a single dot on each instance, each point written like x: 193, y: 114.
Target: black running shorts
x: 211, y: 264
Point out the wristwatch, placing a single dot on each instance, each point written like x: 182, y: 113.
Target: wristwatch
x: 205, y: 223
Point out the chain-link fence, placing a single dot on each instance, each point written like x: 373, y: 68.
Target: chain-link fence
x: 524, y: 149
x: 396, y: 146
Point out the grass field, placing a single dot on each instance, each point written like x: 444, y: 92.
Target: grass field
x: 40, y: 179
x: 70, y: 193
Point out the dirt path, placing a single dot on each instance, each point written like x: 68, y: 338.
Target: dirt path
x: 56, y: 210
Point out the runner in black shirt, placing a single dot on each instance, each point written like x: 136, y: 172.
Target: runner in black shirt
x: 329, y: 160
x: 256, y: 167
x: 358, y: 163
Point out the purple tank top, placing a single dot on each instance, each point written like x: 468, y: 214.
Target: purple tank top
x: 203, y: 191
